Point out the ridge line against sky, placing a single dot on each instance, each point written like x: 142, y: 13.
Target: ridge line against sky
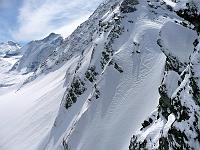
x: 26, y: 20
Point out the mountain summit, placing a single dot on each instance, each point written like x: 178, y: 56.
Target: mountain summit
x: 9, y: 47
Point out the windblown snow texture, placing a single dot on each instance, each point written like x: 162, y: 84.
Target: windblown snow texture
x: 127, y: 78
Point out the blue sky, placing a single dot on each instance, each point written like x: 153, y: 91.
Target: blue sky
x: 26, y: 20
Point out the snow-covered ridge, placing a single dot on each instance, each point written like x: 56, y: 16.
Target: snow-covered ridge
x: 174, y: 125
x: 36, y: 52
x: 9, y: 48
x: 133, y: 43
x: 127, y: 78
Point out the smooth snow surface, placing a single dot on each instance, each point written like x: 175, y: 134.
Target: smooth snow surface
x: 178, y: 40
x: 170, y: 2
x: 28, y: 114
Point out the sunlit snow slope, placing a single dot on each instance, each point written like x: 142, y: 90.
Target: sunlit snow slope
x: 28, y: 114
x: 127, y: 78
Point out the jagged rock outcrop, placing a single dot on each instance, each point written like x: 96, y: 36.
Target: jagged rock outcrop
x: 175, y: 122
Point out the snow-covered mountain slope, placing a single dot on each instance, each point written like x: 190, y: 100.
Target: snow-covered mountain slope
x: 128, y: 78
x: 175, y: 123
x: 77, y: 42
x: 9, y: 48
x: 116, y: 82
x: 10, y: 53
x: 35, y: 52
x: 28, y: 114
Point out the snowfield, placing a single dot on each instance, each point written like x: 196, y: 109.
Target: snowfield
x: 28, y: 114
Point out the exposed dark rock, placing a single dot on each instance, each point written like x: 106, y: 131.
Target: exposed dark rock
x: 91, y: 74
x: 128, y: 6
x: 191, y: 14
x: 116, y: 66
x: 76, y: 89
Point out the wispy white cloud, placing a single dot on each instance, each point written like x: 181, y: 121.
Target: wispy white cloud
x: 38, y: 18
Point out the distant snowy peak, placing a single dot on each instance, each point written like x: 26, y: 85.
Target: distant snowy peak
x: 52, y: 38
x: 11, y: 43
x: 35, y: 52
x: 9, y: 48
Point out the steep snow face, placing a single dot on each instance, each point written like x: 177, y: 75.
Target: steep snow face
x: 36, y: 52
x: 78, y: 41
x: 28, y: 114
x: 178, y: 40
x: 9, y: 48
x: 132, y: 60
x: 32, y: 107
x: 174, y: 125
x: 116, y: 82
